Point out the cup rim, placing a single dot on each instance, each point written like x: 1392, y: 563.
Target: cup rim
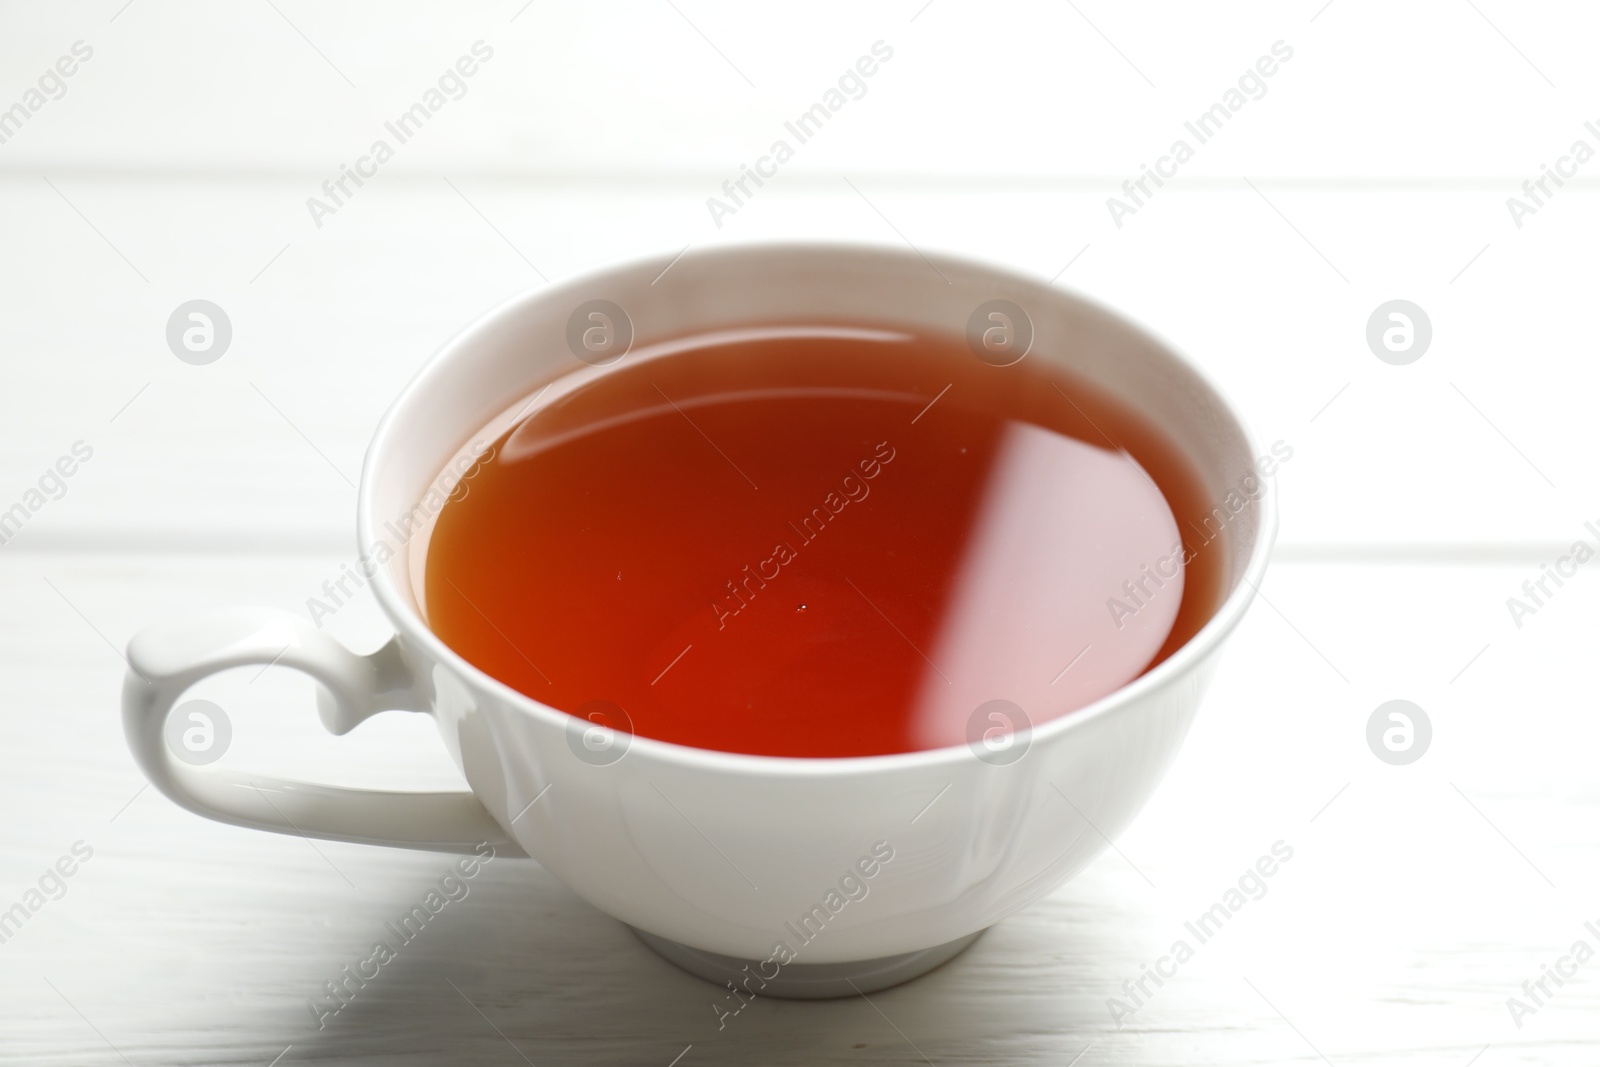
x: 1185, y: 658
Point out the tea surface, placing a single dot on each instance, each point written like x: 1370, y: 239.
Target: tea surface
x: 820, y: 542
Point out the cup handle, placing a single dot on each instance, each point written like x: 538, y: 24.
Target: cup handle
x: 166, y: 660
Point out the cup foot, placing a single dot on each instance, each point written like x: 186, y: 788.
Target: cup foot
x: 809, y: 981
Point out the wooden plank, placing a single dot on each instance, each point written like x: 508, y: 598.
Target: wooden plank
x: 1418, y: 898
x: 1481, y: 441
x: 637, y: 88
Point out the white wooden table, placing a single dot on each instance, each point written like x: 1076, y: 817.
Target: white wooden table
x: 177, y: 165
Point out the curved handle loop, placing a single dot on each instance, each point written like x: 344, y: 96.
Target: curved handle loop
x: 167, y: 660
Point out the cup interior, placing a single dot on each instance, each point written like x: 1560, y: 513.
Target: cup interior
x: 455, y: 405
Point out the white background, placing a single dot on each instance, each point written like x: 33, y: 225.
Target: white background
x: 1377, y: 166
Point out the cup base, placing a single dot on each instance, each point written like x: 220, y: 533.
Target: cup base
x: 809, y: 981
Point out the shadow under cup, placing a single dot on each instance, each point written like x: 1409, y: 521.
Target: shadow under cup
x: 791, y: 825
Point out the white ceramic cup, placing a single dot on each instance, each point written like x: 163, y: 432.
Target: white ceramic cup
x: 718, y: 858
